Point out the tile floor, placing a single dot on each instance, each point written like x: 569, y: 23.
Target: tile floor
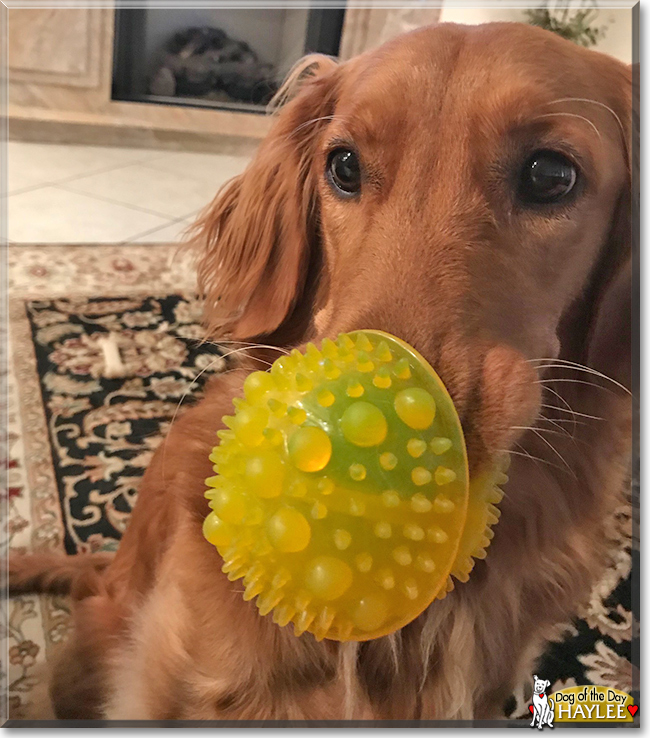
x: 95, y: 194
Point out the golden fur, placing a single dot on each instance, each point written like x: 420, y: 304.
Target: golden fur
x: 499, y: 298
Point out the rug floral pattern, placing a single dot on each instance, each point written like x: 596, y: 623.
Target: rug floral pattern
x: 104, y: 431
x: 79, y: 441
x: 597, y: 647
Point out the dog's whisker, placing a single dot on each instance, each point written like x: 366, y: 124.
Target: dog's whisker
x: 557, y: 423
x: 288, y: 139
x: 316, y: 120
x: 593, y: 102
x: 244, y: 344
x: 187, y: 392
x: 561, y: 429
x: 572, y: 436
x: 573, y: 381
x: 264, y: 361
x: 241, y: 349
x: 562, y: 400
x: 573, y: 412
x: 178, y: 406
x: 542, y: 430
x: 526, y: 455
x: 571, y: 115
x: 572, y: 365
x: 555, y: 451
x: 562, y: 420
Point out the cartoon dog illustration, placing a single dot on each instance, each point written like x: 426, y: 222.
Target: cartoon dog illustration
x: 543, y: 706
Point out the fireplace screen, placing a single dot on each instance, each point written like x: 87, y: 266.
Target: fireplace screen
x: 224, y: 58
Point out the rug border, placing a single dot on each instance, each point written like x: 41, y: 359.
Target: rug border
x: 42, y: 485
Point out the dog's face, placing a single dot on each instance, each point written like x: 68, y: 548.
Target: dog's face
x: 458, y: 188
x: 540, y: 685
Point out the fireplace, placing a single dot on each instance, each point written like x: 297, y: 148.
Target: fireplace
x: 223, y: 58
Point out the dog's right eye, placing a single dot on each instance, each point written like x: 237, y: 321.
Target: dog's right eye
x: 344, y: 172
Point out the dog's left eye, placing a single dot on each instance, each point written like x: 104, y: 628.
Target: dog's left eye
x: 547, y: 177
x: 344, y: 172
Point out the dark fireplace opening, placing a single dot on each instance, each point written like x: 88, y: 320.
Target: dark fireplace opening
x: 222, y: 58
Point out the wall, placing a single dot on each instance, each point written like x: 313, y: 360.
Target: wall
x: 617, y: 41
x: 60, y: 76
x: 294, y: 34
x: 371, y: 25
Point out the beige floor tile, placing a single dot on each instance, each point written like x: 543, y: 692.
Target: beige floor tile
x: 172, y: 233
x: 55, y: 215
x: 35, y: 164
x: 164, y: 193
x: 214, y: 168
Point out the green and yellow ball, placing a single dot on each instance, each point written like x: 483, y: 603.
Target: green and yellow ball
x: 342, y: 496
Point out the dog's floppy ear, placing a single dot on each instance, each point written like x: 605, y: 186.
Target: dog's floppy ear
x: 258, y: 240
x: 598, y: 329
x: 610, y: 337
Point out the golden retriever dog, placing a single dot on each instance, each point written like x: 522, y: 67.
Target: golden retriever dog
x: 467, y: 189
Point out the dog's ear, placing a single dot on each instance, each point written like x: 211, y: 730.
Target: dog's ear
x: 609, y: 348
x: 259, y: 239
x: 598, y: 329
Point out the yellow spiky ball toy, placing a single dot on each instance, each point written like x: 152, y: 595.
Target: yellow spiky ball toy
x: 342, y: 495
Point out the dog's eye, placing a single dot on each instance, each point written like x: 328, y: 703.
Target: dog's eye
x: 547, y: 177
x: 344, y: 172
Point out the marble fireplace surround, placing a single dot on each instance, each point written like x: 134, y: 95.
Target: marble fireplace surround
x: 60, y: 75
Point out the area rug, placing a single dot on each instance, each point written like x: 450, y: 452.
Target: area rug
x: 79, y: 442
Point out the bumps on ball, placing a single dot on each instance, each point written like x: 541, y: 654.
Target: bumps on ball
x: 370, y: 613
x: 289, y: 531
x: 216, y: 531
x: 265, y: 473
x: 328, y: 577
x: 249, y: 424
x: 310, y: 449
x: 364, y: 424
x: 415, y: 407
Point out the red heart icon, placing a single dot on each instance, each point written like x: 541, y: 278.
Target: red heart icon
x: 532, y: 709
x: 633, y: 709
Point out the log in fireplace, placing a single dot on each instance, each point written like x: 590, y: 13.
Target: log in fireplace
x: 225, y: 58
